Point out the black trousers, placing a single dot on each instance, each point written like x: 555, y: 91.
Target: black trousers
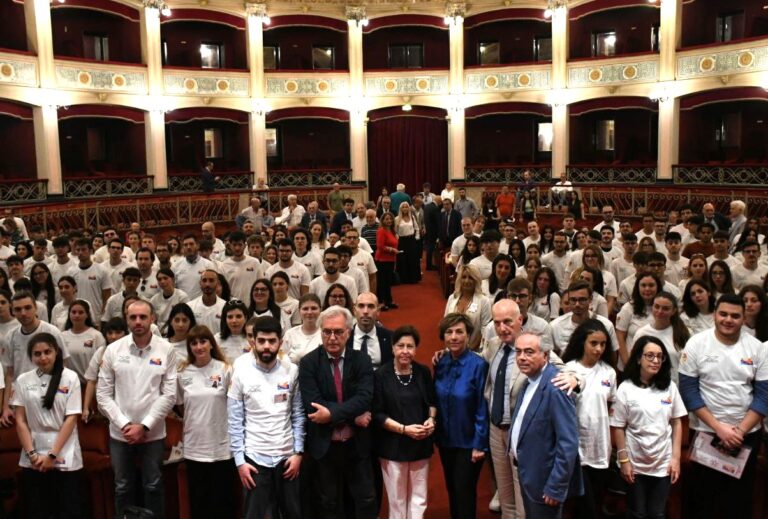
x: 211, y: 488
x: 273, y: 496
x: 461, y: 477
x: 343, y: 468
x: 589, y: 506
x: 53, y: 494
x: 385, y: 277
x: 712, y: 494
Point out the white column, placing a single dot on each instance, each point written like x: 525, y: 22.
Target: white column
x: 358, y: 117
x: 154, y: 139
x: 37, y: 14
x: 355, y: 57
x: 669, y: 132
x: 358, y: 145
x: 151, y: 49
x: 255, y: 50
x: 456, y: 55
x: 257, y: 124
x: 670, y: 33
x: 457, y: 157
x: 46, y: 127
x: 560, y: 138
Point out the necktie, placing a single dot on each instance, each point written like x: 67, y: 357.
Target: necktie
x: 364, y: 344
x: 497, y: 410
x: 337, y: 379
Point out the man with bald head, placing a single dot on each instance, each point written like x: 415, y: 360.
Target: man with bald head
x: 502, y: 387
x: 368, y: 335
x: 370, y: 228
x: 208, y: 231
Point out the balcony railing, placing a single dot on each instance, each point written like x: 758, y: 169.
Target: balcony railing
x: 98, y: 187
x: 225, y: 181
x: 14, y: 191
x: 321, y: 177
x: 507, y: 173
x: 612, y: 173
x: 721, y: 174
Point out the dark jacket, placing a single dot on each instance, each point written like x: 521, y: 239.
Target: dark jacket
x: 432, y: 221
x: 316, y: 383
x: 338, y: 219
x: 386, y: 404
x: 385, y: 342
x: 449, y: 228
x: 306, y: 220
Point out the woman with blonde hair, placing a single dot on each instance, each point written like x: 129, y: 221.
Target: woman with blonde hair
x: 203, y: 381
x: 468, y: 299
x: 408, y: 233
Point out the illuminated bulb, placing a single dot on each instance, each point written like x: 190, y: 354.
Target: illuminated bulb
x: 407, y: 107
x: 365, y: 22
x: 447, y: 20
x: 165, y: 11
x: 548, y: 13
x: 265, y: 20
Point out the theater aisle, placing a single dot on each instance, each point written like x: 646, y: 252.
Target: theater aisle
x: 422, y: 306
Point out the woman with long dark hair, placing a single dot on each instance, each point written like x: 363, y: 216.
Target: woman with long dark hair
x: 755, y: 311
x: 48, y: 405
x: 667, y: 325
x: 646, y: 428
x: 636, y: 313
x: 502, y: 272
x: 545, y: 302
x: 338, y: 295
x: 203, y: 381
x: 181, y: 319
x: 698, y: 307
x: 470, y: 251
x: 68, y: 293
x: 386, y: 254
x: 80, y: 337
x: 289, y: 306
x: 231, y: 339
x: 42, y: 286
x: 263, y: 300
x: 589, y: 353
x: 720, y: 279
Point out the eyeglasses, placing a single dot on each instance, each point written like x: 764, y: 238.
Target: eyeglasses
x: 578, y: 300
x: 260, y: 290
x: 143, y: 285
x: 235, y: 301
x: 513, y: 295
x: 336, y: 333
x: 650, y: 357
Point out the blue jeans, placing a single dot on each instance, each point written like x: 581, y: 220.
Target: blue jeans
x: 124, y: 461
x: 647, y: 497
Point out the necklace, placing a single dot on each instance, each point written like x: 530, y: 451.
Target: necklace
x: 398, y: 375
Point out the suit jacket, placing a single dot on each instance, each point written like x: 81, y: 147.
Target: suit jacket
x: 449, y: 227
x: 385, y: 342
x: 338, y: 219
x: 316, y: 383
x: 306, y: 221
x: 548, y: 444
x: 432, y: 221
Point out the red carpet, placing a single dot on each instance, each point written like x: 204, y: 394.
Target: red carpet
x: 422, y: 306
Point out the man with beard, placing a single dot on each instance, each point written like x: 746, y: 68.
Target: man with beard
x: 266, y: 424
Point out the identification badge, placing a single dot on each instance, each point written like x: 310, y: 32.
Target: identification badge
x: 281, y: 397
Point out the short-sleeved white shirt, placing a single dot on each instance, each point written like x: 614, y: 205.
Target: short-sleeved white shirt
x: 726, y: 374
x: 699, y: 323
x: 241, y: 275
x: 298, y: 275
x: 628, y: 321
x: 91, y: 282
x: 563, y: 327
x: 666, y: 336
x: 163, y: 305
x: 592, y: 412
x: 319, y: 286
x: 645, y: 414
x: 743, y: 276
x: 203, y: 393
x: 209, y: 316
x: 312, y: 262
x: 296, y: 344
x: 82, y: 347
x: 18, y: 341
x: 233, y: 346
x: 45, y: 424
x: 188, y: 274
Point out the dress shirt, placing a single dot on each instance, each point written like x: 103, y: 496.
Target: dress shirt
x: 528, y: 391
x: 372, y: 346
x: 507, y: 418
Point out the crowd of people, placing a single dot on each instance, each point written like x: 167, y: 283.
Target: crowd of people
x: 565, y: 351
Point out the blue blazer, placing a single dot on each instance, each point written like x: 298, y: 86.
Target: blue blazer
x: 548, y: 444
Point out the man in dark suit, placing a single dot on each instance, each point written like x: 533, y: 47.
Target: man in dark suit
x: 545, y: 450
x: 368, y: 335
x: 432, y: 226
x: 313, y: 215
x: 207, y: 178
x: 337, y: 390
x: 450, y: 224
x: 720, y: 221
x: 343, y: 216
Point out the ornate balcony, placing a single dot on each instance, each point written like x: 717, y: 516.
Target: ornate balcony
x: 102, y: 76
x: 721, y: 59
x: 410, y: 82
x: 225, y: 181
x: 283, y: 178
x: 721, y: 174
x: 507, y: 173
x: 199, y: 82
x: 18, y: 69
x: 612, y: 173
x: 504, y: 79
x: 13, y: 191
x: 614, y: 71
x: 97, y: 187
x: 307, y: 84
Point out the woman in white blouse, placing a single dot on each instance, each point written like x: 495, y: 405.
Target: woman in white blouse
x: 203, y: 381
x: 289, y: 306
x: 409, y: 257
x: 300, y: 340
x: 546, y: 301
x: 48, y: 406
x: 589, y: 354
x: 468, y: 299
x: 80, y: 337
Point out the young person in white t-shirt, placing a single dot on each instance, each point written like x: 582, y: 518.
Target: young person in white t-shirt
x: 724, y: 383
x: 667, y: 326
x: 698, y: 307
x: 647, y: 429
x: 181, y: 319
x: 48, y: 404
x: 231, y: 338
x: 636, y: 313
x: 300, y: 340
x: 81, y: 337
x: 590, y: 354
x: 202, y: 382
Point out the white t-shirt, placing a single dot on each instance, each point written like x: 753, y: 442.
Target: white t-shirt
x: 45, y: 424
x: 81, y: 348
x: 547, y: 310
x: 645, y: 414
x: 59, y: 315
x: 188, y: 274
x: 484, y: 265
x: 58, y: 270
x: 203, y: 393
x: 312, y: 262
x: 91, y: 282
x: 628, y: 321
x: 743, y: 276
x: 233, y: 346
x: 563, y: 327
x: 731, y: 261
x: 622, y: 269
x: 699, y: 323
x: 726, y: 375
x: 289, y: 313
x: 241, y: 275
x: 592, y: 412
x: 676, y: 270
x: 116, y: 273
x: 296, y: 344
x: 363, y: 260
x: 209, y: 316
x: 558, y: 264
x: 666, y: 336
x: 163, y: 305
x: 298, y: 275
x: 18, y: 341
x: 319, y: 286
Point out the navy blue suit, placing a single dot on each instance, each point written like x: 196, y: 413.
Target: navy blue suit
x: 548, y: 448
x: 306, y: 220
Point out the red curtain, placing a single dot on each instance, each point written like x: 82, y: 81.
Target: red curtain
x: 408, y: 148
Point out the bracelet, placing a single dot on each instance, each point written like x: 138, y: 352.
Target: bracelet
x: 403, y: 430
x: 625, y: 460
x: 621, y: 450
x: 31, y: 453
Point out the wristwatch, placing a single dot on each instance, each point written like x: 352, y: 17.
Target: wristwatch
x: 52, y: 456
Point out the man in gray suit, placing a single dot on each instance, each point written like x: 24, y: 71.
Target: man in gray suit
x: 502, y: 387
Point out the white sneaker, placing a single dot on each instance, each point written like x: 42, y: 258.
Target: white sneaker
x: 494, y: 505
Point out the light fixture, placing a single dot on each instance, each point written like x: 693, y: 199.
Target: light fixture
x: 357, y: 14
x: 554, y: 5
x: 258, y: 11
x: 407, y: 107
x: 454, y: 13
x: 160, y: 5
